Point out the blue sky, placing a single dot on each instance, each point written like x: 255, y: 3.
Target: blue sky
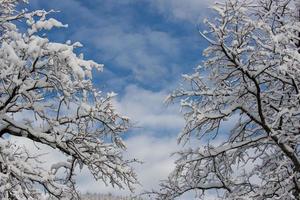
x: 140, y: 42
x: 145, y: 46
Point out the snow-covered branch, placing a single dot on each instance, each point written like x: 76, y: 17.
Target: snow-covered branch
x: 253, y: 70
x: 47, y: 96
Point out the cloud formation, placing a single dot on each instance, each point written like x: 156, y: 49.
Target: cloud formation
x: 157, y: 164
x: 134, y: 42
x: 192, y: 11
x: 147, y: 109
x: 145, y: 53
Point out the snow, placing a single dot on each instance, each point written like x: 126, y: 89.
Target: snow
x: 46, y: 90
x: 253, y: 67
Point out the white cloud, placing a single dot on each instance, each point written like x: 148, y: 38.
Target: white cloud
x: 141, y: 50
x: 154, y: 152
x: 145, y: 53
x: 148, y: 110
x: 190, y: 10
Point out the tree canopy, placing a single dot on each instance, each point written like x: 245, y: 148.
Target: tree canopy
x: 47, y: 96
x: 251, y: 77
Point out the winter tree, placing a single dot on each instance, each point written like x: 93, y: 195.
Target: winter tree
x: 47, y: 97
x: 251, y: 77
x: 95, y: 196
